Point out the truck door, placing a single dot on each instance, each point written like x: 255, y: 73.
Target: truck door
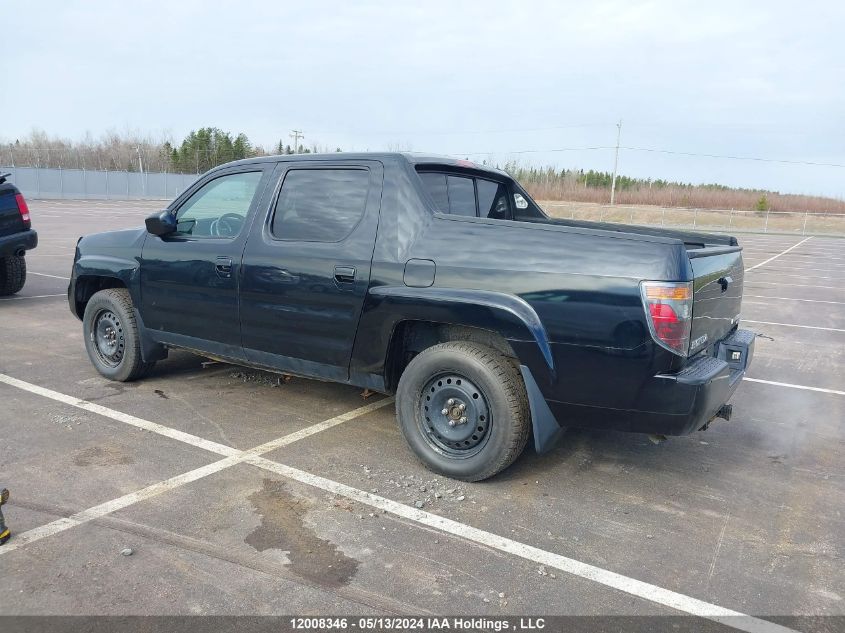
x: 189, y: 279
x: 306, y: 267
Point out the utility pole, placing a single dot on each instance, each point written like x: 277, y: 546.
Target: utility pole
x: 615, y: 161
x: 296, y: 135
x: 140, y: 162
x: 141, y: 168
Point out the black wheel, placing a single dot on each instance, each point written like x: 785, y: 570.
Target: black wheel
x: 463, y: 410
x: 111, y: 336
x: 12, y: 274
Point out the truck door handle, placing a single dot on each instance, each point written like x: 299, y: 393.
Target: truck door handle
x: 344, y: 274
x: 223, y: 266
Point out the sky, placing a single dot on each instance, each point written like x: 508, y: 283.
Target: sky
x: 536, y: 82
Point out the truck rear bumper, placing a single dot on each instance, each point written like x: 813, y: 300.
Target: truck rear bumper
x: 673, y: 404
x: 17, y: 243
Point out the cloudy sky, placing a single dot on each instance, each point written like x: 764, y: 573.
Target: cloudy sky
x: 532, y: 81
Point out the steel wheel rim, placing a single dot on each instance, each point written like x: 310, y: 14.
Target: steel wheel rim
x: 452, y: 397
x: 107, y: 338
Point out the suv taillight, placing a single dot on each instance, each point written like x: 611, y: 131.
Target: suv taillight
x: 23, y: 209
x: 668, y: 308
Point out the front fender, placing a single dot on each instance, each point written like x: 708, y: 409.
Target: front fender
x: 92, y: 268
x: 111, y: 255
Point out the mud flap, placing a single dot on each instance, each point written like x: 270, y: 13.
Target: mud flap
x: 546, y: 429
x: 150, y: 350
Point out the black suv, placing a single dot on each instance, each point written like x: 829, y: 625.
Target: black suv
x: 16, y: 237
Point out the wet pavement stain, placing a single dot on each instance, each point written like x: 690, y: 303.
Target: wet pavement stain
x: 161, y: 394
x: 283, y: 527
x: 102, y: 456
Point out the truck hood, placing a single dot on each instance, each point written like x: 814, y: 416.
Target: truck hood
x: 127, y: 241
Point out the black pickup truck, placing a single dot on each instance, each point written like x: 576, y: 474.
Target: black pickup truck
x: 16, y: 237
x: 437, y: 280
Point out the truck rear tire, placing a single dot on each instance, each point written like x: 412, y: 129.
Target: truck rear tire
x: 12, y: 274
x: 111, y: 336
x: 463, y: 410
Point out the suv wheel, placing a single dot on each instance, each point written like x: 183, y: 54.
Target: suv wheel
x: 12, y: 274
x: 463, y: 410
x: 111, y: 336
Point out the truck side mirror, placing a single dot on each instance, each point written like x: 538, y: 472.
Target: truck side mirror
x: 162, y: 223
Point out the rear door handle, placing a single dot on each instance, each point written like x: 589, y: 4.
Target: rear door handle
x: 223, y: 266
x: 344, y: 274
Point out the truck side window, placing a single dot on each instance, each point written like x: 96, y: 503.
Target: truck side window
x: 461, y: 196
x: 320, y: 205
x: 493, y: 200
x: 218, y: 208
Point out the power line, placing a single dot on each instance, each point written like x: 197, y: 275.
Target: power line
x: 540, y: 151
x: 657, y: 151
x: 448, y: 132
x: 753, y: 158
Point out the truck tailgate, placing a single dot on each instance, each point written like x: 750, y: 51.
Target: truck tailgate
x: 717, y: 294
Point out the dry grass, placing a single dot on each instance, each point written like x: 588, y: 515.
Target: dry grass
x: 693, y: 197
x: 702, y: 219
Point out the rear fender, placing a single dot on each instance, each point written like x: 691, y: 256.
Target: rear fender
x: 510, y: 316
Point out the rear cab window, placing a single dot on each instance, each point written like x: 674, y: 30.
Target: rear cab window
x: 461, y: 195
x: 468, y: 195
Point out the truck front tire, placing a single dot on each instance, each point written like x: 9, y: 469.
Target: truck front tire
x: 12, y: 274
x: 463, y: 410
x: 111, y: 336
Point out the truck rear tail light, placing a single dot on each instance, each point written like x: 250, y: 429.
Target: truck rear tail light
x: 23, y: 209
x: 668, y: 308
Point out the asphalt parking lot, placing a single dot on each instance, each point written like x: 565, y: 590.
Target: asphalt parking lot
x: 243, y: 494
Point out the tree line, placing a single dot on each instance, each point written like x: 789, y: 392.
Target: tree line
x: 199, y: 151
x: 578, y: 185
x: 207, y: 147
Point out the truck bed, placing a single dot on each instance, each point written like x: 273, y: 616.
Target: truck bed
x: 691, y: 239
x: 717, y: 268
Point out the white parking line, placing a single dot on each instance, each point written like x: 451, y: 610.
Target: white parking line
x: 809, y: 327
x: 31, y: 297
x: 829, y: 269
x: 780, y: 283
x: 234, y: 456
x: 32, y: 272
x: 187, y: 438
x: 787, y: 256
x: 794, y: 299
x: 792, y: 386
x: 769, y: 271
x: 60, y: 525
x: 631, y: 586
x: 779, y: 254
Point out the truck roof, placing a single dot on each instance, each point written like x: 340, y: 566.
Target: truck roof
x: 415, y: 158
